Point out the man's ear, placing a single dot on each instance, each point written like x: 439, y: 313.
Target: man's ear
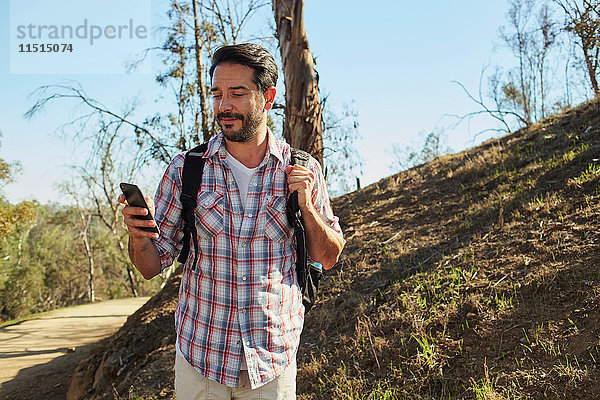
x: 270, y: 97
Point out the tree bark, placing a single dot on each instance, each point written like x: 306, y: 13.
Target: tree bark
x: 591, y: 69
x: 22, y: 237
x: 129, y: 267
x: 131, y: 276
x: 303, y: 124
x: 85, y: 227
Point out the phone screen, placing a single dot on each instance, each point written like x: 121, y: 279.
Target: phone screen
x: 135, y: 198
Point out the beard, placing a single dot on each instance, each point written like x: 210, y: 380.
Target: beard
x: 250, y: 124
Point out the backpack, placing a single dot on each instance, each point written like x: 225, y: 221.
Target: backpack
x: 308, y: 273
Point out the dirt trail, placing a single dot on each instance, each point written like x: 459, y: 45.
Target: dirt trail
x: 36, y: 355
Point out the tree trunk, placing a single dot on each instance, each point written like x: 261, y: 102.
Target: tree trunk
x: 85, y: 226
x: 200, y: 75
x: 591, y: 68
x: 22, y: 237
x: 134, y: 291
x: 92, y: 292
x: 303, y: 125
x: 130, y: 274
x: 525, y: 93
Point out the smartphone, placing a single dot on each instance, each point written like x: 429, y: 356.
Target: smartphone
x: 135, y: 198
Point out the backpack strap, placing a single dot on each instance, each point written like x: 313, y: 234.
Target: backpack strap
x: 307, y: 280
x: 193, y: 167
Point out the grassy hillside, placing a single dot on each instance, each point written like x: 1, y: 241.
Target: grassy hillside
x: 474, y: 276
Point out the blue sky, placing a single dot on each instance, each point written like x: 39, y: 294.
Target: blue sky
x: 394, y: 60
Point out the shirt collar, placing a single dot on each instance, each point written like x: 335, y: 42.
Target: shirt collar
x: 274, y: 145
x: 214, y: 144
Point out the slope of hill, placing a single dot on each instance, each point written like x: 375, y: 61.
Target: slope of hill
x: 476, y: 275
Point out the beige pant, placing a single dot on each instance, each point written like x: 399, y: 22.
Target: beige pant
x: 191, y: 385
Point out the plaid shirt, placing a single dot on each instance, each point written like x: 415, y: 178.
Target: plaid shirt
x: 243, y: 296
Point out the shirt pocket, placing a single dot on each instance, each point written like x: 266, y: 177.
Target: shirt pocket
x: 277, y: 227
x: 209, y: 214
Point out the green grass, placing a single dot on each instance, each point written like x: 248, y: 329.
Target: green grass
x: 589, y: 174
x: 25, y: 318
x: 428, y: 351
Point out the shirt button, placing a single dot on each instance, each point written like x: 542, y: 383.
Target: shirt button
x: 243, y: 311
x: 256, y: 185
x: 239, y: 341
x: 244, y: 277
x: 243, y: 244
x: 249, y: 215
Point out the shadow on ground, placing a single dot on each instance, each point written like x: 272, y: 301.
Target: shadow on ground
x: 45, y: 381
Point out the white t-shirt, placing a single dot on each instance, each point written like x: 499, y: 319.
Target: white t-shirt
x: 242, y: 175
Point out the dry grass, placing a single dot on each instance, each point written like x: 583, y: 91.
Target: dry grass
x: 473, y: 276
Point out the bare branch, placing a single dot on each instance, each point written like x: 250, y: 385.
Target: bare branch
x: 78, y: 93
x: 494, y: 114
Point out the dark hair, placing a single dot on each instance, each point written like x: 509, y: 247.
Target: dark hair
x: 252, y: 56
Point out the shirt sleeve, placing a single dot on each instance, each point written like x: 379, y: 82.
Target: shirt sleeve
x: 320, y: 198
x: 168, y: 213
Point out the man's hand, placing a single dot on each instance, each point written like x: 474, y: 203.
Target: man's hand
x: 142, y: 250
x: 323, y: 243
x: 133, y: 223
x: 301, y: 179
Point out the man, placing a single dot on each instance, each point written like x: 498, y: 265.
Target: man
x: 240, y: 312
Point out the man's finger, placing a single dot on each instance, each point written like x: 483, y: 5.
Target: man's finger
x: 135, y: 225
x: 129, y: 210
x: 150, y: 203
x: 136, y: 232
x: 300, y: 172
x: 296, y: 168
x: 131, y: 220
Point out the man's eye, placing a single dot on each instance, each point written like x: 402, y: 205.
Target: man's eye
x: 237, y: 94
x: 216, y: 96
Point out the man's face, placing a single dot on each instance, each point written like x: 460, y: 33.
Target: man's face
x: 237, y: 103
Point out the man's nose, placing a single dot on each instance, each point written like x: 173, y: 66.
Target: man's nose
x: 225, y: 104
